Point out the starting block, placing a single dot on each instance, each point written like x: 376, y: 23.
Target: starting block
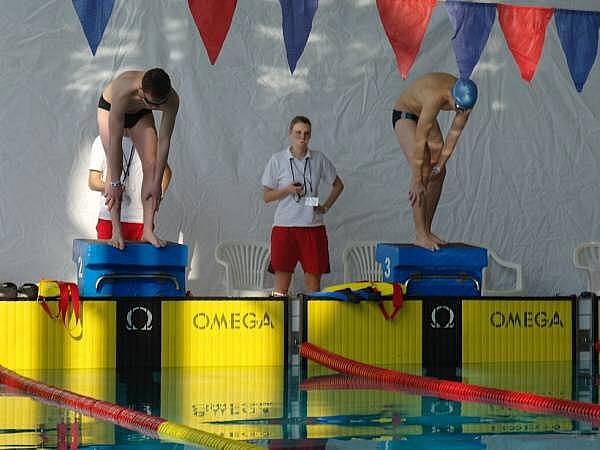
x: 140, y: 270
x: 455, y: 270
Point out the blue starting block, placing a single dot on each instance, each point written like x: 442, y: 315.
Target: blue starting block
x: 140, y: 270
x: 454, y: 270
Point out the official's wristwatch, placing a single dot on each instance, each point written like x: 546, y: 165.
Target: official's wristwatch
x: 116, y: 184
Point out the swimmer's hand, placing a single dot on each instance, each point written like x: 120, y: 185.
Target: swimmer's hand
x: 416, y: 193
x: 153, y: 192
x: 113, y: 194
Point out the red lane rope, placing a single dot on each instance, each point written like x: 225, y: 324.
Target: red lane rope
x: 453, y: 390
x: 346, y: 382
x: 124, y: 417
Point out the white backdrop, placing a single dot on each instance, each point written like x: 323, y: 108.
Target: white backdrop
x: 523, y: 179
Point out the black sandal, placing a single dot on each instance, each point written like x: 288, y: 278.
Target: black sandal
x: 29, y: 290
x: 8, y: 290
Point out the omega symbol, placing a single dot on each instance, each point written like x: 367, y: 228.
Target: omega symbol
x: 442, y: 317
x: 139, y: 319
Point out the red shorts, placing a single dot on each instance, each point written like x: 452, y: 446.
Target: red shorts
x: 305, y: 244
x: 131, y: 231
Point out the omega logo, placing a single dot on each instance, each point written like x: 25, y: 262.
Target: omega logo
x: 442, y: 317
x: 441, y: 408
x: 526, y: 319
x: 139, y: 319
x: 232, y: 321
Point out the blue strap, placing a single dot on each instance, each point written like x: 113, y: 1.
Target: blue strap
x: 348, y: 295
x: 344, y: 295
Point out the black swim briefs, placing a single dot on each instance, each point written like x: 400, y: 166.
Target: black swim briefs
x: 130, y: 118
x: 397, y: 115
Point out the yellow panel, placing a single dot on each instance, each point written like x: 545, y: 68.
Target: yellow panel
x: 195, y: 396
x: 94, y: 432
x: 324, y: 403
x: 30, y: 339
x: 360, y: 332
x: 516, y: 330
x: 23, y: 413
x: 217, y: 333
x: 549, y: 379
x: 33, y: 439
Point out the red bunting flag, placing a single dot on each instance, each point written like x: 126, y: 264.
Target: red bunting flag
x: 213, y: 19
x: 405, y: 22
x: 525, y: 31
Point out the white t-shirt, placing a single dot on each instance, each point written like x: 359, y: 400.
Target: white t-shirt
x: 283, y: 169
x: 131, y: 204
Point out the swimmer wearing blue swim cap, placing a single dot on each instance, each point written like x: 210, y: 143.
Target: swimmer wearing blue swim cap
x: 414, y: 119
x: 464, y: 93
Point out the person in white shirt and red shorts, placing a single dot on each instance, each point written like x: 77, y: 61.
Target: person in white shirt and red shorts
x: 132, y: 217
x: 292, y: 178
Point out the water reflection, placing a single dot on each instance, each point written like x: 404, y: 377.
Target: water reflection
x: 277, y: 407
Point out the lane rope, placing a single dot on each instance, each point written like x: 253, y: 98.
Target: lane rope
x: 143, y: 423
x: 454, y: 390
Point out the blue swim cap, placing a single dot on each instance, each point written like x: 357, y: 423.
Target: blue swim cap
x: 464, y: 93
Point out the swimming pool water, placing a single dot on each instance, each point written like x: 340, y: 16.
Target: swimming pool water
x: 277, y: 408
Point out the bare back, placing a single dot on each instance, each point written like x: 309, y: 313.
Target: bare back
x: 123, y: 92
x: 426, y: 91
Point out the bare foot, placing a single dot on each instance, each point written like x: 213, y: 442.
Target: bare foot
x: 117, y: 241
x: 149, y: 236
x: 427, y: 243
x: 437, y: 240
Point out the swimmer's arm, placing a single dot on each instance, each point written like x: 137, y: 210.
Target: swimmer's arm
x: 458, y: 124
x: 95, y: 182
x: 424, y: 126
x: 167, y: 124
x: 114, y: 153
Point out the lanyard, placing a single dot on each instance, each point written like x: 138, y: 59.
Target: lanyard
x: 306, y: 180
x: 127, y: 163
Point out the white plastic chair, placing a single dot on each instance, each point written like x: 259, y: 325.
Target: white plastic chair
x: 246, y: 264
x: 499, y: 268
x: 359, y: 262
x: 586, y: 256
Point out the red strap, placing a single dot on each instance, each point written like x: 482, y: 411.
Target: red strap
x: 45, y: 307
x: 74, y: 294
x: 63, y: 300
x: 68, y: 295
x: 397, y: 302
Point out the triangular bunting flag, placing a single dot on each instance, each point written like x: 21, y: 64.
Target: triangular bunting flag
x: 525, y: 30
x: 578, y: 33
x: 93, y: 15
x: 405, y: 23
x: 472, y: 25
x: 213, y: 19
x: 297, y: 18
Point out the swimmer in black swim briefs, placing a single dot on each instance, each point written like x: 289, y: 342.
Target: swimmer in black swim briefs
x: 130, y: 118
x: 397, y: 115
